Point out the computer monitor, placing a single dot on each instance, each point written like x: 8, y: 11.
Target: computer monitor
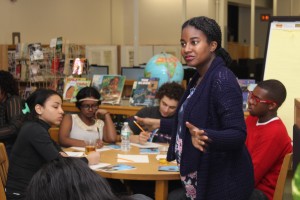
x: 132, y: 73
x: 97, y: 69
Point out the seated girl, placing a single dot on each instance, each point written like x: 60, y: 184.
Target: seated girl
x: 90, y: 123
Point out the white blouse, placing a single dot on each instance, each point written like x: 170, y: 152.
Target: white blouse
x: 81, y: 131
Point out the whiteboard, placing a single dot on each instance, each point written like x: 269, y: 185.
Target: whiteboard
x: 283, y: 62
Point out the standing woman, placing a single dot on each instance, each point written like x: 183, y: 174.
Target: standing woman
x: 10, y: 110
x: 75, y: 128
x: 208, y: 140
x: 33, y: 146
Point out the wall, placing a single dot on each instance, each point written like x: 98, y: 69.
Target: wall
x: 97, y: 21
x: 261, y: 28
x: 41, y: 20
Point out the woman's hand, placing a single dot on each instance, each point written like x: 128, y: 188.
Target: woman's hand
x: 149, y: 123
x: 101, y: 113
x: 99, y: 144
x: 93, y: 157
x: 199, y: 138
x: 143, y: 137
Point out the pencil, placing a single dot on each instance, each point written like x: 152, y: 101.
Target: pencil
x: 125, y: 159
x: 138, y: 126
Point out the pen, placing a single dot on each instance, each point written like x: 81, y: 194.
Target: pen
x: 126, y: 159
x: 138, y: 126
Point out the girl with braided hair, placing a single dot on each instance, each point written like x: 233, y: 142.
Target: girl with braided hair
x: 208, y: 131
x: 10, y: 110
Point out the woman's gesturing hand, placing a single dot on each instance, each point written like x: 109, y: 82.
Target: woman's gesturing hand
x: 199, y: 138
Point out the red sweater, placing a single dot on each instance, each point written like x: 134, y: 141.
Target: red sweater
x: 267, y: 143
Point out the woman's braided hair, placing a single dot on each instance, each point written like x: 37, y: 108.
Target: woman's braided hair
x: 213, y: 33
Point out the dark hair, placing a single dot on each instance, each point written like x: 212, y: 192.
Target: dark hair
x: 39, y: 96
x: 213, y: 33
x: 276, y: 90
x: 172, y: 90
x: 87, y: 92
x: 8, y: 84
x: 67, y: 178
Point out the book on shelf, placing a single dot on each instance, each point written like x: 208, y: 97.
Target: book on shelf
x: 145, y: 91
x: 110, y: 87
x: 79, y: 85
x: 69, y: 87
x: 35, y: 51
x: 57, y: 84
x: 246, y: 85
x: 132, y: 93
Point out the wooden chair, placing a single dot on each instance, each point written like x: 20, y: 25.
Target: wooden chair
x: 286, y: 165
x: 3, y: 164
x: 2, y: 192
x: 53, y: 131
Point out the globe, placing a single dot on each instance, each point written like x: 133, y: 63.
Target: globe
x: 166, y: 67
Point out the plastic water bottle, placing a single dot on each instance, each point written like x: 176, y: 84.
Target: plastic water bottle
x: 125, y: 137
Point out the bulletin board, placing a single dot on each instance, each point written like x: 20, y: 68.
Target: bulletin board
x: 282, y: 62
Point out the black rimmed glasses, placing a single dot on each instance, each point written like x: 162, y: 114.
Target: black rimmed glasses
x: 256, y: 99
x: 90, y: 106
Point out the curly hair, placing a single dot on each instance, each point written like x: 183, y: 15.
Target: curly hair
x: 172, y: 90
x: 276, y: 90
x: 8, y: 84
x: 213, y: 33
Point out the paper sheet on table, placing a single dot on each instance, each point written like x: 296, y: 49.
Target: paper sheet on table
x: 146, y: 145
x: 104, y: 148
x: 74, y: 154
x: 132, y: 158
x: 99, y: 166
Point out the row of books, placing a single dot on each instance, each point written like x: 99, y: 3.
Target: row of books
x: 110, y: 87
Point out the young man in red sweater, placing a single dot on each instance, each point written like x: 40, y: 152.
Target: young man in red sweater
x: 267, y: 138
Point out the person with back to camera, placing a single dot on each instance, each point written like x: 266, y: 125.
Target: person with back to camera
x: 10, y: 110
x: 34, y: 146
x: 71, y: 179
x: 169, y: 95
x: 208, y: 131
x: 75, y: 128
x: 267, y: 138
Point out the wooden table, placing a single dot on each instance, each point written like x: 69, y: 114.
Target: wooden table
x: 144, y: 171
x: 123, y: 109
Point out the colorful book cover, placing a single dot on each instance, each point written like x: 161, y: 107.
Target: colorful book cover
x: 113, y: 146
x: 97, y: 81
x: 149, y: 151
x: 144, y: 94
x: 168, y: 168
x: 132, y: 92
x: 79, y: 85
x: 111, y: 88
x: 245, y: 84
x: 117, y: 167
x: 69, y: 87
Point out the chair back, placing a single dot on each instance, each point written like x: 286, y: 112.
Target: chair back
x: 3, y: 164
x: 2, y: 192
x: 53, y: 131
x: 286, y: 165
